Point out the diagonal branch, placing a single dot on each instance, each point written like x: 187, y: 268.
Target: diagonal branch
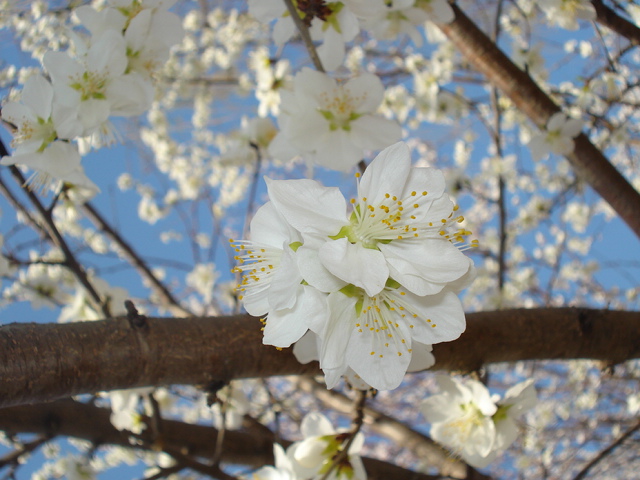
x: 304, y: 33
x: 166, y: 298
x: 58, y: 240
x: 610, y: 19
x: 588, y: 162
x: 607, y: 451
x: 44, y: 362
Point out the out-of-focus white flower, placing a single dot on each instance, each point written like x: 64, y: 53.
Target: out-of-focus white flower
x: 517, y: 400
x: 460, y: 419
x: 557, y: 137
x: 40, y: 284
x: 314, y: 455
x: 202, y: 279
x: 566, y: 13
x: 40, y: 123
x: 78, y: 469
x: 82, y: 306
x: 148, y: 210
x: 474, y: 425
x: 438, y: 11
x: 149, y: 37
x: 283, y: 469
x: 332, y: 124
x: 395, y: 18
x: 124, y: 409
x: 271, y: 77
x: 243, y: 146
x: 333, y: 24
x: 95, y: 85
x: 233, y: 408
x: 59, y: 161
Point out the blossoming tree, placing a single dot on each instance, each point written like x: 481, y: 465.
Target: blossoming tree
x: 239, y: 239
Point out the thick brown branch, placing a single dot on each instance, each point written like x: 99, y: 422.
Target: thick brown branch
x: 247, y: 447
x: 43, y: 362
x: 610, y: 19
x: 79, y: 420
x: 588, y: 162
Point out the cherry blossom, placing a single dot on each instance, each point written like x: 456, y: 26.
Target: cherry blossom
x: 557, y: 137
x: 400, y: 226
x: 333, y: 24
x: 283, y: 469
x: 314, y: 455
x: 41, y: 124
x: 471, y: 422
x: 332, y: 124
x: 566, y: 13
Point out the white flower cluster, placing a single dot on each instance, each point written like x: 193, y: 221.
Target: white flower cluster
x: 108, y: 74
x: 557, y: 137
x: 566, y: 13
x: 372, y: 285
x: 314, y: 456
x: 474, y: 424
x: 335, y: 23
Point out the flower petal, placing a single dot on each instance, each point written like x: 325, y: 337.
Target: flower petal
x: 363, y: 267
x: 387, y: 173
x: 445, y: 312
x: 384, y: 370
x: 308, y: 206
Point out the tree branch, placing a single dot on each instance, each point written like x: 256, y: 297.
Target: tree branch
x: 588, y: 162
x: 167, y: 299
x: 58, y: 240
x: 610, y: 19
x: 44, y: 362
x: 304, y: 33
x: 248, y: 446
x: 607, y: 451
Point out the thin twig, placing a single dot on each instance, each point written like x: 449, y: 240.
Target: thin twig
x: 252, y: 191
x: 359, y: 404
x: 134, y: 259
x: 56, y: 237
x: 224, y: 404
x: 587, y: 160
x: 497, y: 140
x: 616, y: 443
x: 304, y: 33
x: 14, y: 457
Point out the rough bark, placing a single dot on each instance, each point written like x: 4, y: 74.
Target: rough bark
x: 249, y: 446
x: 45, y: 362
x: 588, y: 162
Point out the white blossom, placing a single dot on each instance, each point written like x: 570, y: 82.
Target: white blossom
x: 472, y: 423
x: 330, y: 123
x: 313, y: 455
x: 566, y: 13
x: 557, y: 137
